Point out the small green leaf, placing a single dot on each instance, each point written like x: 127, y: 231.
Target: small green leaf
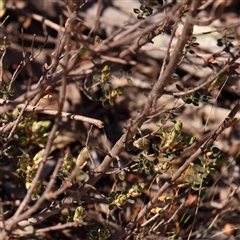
x: 96, y: 78
x: 194, y: 39
x: 169, y: 157
x: 136, y: 10
x: 195, y: 103
x: 129, y: 81
x: 163, y: 121
x: 215, y: 150
x: 231, y: 39
x: 179, y: 88
x: 111, y: 206
x: 192, y: 140
x: 121, y: 176
x: 111, y: 102
x: 132, y: 201
x: 129, y: 73
x: 23, y: 141
x: 190, y: 179
x: 197, y: 95
x: 119, y: 90
x: 155, y: 161
x: 102, y: 99
x: 188, y: 101
x: 226, y: 49
x: 220, y: 42
x: 187, y: 49
x: 198, y: 169
x: 90, y: 90
x: 147, y: 164
x: 35, y: 196
x: 104, y: 103
x: 147, y: 171
x: 142, y: 7
x: 151, y: 172
x: 122, y: 72
x: 230, y: 31
x: 175, y: 76
x: 195, y: 44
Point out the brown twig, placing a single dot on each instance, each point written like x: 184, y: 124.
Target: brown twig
x: 54, y: 228
x: 97, y: 19
x: 211, y: 79
x: 127, y: 37
x: 1, y: 68
x: 149, y: 35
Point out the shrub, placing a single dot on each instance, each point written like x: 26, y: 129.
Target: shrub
x: 105, y: 129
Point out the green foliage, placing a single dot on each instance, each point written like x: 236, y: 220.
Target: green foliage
x: 145, y: 9
x: 119, y: 199
x: 209, y: 161
x: 68, y: 216
x: 141, y: 143
x: 5, y: 43
x: 103, y: 81
x: 156, y: 151
x: 217, y: 82
x: 226, y: 39
x: 200, y: 95
x: 83, y: 157
x: 6, y: 91
x: 66, y: 167
x: 171, y: 115
x: 127, y: 75
x: 27, y: 170
x: 74, y: 216
x: 190, y: 45
x: 172, y: 143
x: 145, y: 165
x: 162, y: 167
x: 96, y: 232
x: 29, y: 132
x: 69, y: 164
x: 170, y: 146
x: 79, y: 214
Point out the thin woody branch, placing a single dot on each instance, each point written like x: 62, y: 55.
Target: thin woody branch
x: 76, y: 117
